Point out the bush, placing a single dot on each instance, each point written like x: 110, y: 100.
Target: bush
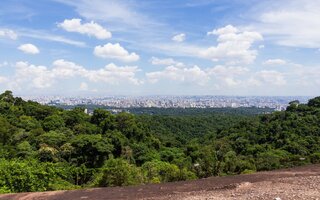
x: 159, y: 171
x: 315, y: 158
x: 30, y: 176
x: 118, y: 172
x: 267, y: 161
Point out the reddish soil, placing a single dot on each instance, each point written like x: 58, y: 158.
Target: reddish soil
x: 295, y: 183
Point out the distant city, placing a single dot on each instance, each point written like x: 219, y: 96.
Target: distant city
x: 277, y: 103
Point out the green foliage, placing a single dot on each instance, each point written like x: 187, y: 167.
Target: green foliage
x: 159, y: 171
x: 315, y: 157
x: 118, y: 172
x: 53, y: 122
x: 52, y: 138
x: 46, y: 148
x: 91, y: 150
x: 5, y: 131
x: 315, y: 102
x: 28, y: 176
x: 24, y: 149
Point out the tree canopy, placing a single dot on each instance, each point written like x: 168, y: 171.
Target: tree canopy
x: 47, y: 148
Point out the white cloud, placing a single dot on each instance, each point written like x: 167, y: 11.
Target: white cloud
x: 215, y: 76
x: 83, y: 86
x: 7, y: 33
x: 115, y: 51
x: 165, y: 61
x: 29, y: 49
x: 193, y: 75
x: 32, y: 76
x: 43, y: 35
x: 229, y: 29
x: 231, y: 81
x: 275, y: 62
x: 90, y: 29
x: 269, y: 77
x: 291, y: 23
x: 113, y: 11
x: 228, y: 75
x: 221, y: 70
x: 65, y: 69
x: 233, y: 46
x: 113, y: 74
x: 179, y: 38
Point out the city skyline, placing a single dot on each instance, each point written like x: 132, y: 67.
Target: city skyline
x: 145, y: 48
x: 277, y: 103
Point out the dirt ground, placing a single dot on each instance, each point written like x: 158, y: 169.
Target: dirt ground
x: 295, y: 183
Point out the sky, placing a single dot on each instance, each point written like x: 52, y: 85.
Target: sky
x: 160, y: 47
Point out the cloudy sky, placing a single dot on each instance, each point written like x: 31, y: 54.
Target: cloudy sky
x: 160, y: 47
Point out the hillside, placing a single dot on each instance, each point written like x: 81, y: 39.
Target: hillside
x: 295, y: 183
x: 45, y: 148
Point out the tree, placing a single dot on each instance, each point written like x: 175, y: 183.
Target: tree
x: 158, y: 171
x: 47, y: 153
x: 315, y: 102
x: 53, y: 122
x: 24, y: 149
x: 293, y: 105
x: 118, y: 172
x: 6, y: 131
x: 74, y: 117
x: 28, y: 123
x: 7, y: 97
x: 91, y: 150
x: 52, y: 138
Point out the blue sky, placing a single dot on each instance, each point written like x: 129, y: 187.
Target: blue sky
x: 160, y: 47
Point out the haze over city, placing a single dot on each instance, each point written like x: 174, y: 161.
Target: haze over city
x: 160, y: 47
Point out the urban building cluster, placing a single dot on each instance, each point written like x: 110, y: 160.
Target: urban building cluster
x: 278, y: 103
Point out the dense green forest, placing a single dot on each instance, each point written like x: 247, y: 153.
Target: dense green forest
x: 47, y: 148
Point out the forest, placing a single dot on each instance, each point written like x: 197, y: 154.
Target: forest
x: 49, y: 148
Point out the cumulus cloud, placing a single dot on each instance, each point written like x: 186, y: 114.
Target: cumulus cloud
x: 233, y: 46
x: 41, y: 77
x: 111, y: 73
x: 32, y: 75
x: 229, y: 29
x: 221, y: 70
x: 179, y: 38
x: 275, y: 62
x: 217, y: 76
x: 228, y: 75
x: 29, y: 49
x: 270, y: 77
x: 115, y: 51
x: 7, y: 33
x: 90, y: 29
x: 190, y: 75
x: 64, y: 69
x: 165, y: 61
